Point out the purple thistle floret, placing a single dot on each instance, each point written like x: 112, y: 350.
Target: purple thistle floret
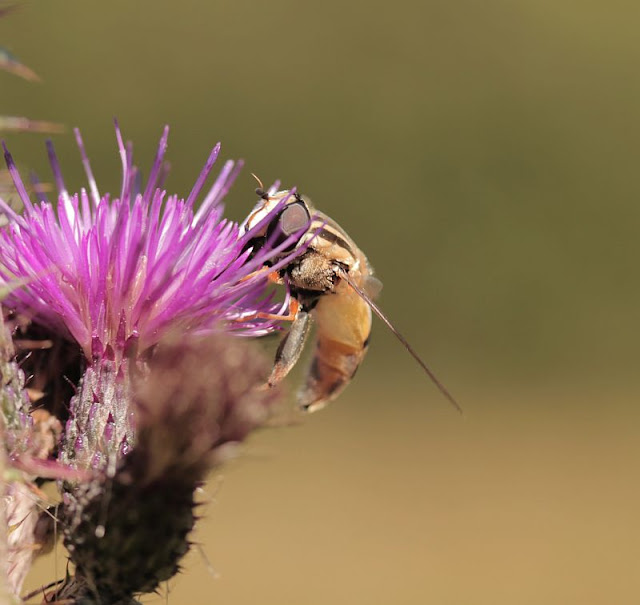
x: 117, y: 274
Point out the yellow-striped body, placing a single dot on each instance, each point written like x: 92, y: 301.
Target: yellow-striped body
x: 343, y: 325
x: 342, y: 317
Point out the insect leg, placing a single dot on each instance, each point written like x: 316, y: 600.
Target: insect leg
x: 291, y: 316
x: 272, y: 276
x: 290, y: 347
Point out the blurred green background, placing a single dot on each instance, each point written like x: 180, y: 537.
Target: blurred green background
x: 484, y: 155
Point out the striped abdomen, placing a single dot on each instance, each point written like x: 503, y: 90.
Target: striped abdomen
x: 343, y: 324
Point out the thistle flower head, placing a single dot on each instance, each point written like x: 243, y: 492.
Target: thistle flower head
x: 116, y: 273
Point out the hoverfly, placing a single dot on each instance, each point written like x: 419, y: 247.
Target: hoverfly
x: 331, y: 281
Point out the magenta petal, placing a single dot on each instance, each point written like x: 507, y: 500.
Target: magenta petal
x: 117, y: 274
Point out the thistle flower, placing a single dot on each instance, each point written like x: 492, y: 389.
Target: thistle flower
x: 113, y: 274
x: 121, y: 277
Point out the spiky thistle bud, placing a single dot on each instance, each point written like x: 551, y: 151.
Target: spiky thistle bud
x: 28, y: 442
x: 128, y: 528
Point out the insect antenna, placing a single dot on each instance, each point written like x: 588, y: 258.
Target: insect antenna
x: 260, y: 192
x: 344, y: 275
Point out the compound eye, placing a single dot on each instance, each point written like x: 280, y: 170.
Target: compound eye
x: 291, y: 220
x: 294, y: 218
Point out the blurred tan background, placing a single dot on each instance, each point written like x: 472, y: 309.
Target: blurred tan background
x: 485, y: 156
